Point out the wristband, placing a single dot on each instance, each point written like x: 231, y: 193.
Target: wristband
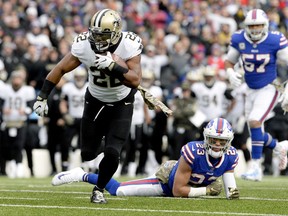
x: 196, y: 192
x: 119, y: 71
x: 46, y: 89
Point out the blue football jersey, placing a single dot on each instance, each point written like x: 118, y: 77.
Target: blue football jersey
x: 259, y: 59
x: 204, y: 168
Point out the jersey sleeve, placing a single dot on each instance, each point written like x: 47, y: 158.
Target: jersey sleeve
x: 30, y: 93
x: 233, y: 52
x: 188, y: 153
x: 233, y: 158
x: 283, y: 42
x: 132, y: 46
x: 282, y: 55
x: 81, y: 47
x: 236, y: 38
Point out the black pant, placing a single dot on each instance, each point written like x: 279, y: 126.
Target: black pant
x: 111, y: 121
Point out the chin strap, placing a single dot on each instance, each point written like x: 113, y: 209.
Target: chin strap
x: 152, y: 102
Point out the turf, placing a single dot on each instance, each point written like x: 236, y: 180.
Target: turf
x: 36, y: 196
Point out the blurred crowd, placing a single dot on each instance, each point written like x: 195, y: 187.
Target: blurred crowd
x: 185, y: 42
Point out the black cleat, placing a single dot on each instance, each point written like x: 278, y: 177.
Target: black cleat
x: 97, y: 196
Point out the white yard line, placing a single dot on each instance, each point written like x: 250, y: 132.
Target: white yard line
x: 139, y: 210
x: 120, y: 198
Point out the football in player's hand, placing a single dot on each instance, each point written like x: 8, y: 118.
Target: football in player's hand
x: 118, y: 60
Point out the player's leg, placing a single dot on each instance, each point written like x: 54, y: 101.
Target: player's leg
x: 93, y: 129
x: 118, y: 123
x: 279, y: 148
x: 258, y: 105
x: 79, y: 175
x: 141, y: 187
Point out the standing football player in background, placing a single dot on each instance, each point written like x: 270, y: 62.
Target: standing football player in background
x: 71, y: 107
x: 18, y: 101
x: 196, y: 173
x: 211, y: 94
x: 259, y: 50
x: 3, y: 76
x: 109, y: 97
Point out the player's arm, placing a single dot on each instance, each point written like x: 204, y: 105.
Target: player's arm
x: 67, y: 64
x: 129, y: 72
x: 182, y: 176
x: 29, y: 106
x: 231, y: 58
x: 181, y: 188
x: 133, y: 77
x: 230, y: 186
x: 229, y: 63
x: 282, y: 55
x: 229, y: 96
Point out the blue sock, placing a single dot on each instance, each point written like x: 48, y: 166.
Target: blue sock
x: 91, y: 178
x: 257, y: 142
x: 269, y: 142
x: 111, y: 187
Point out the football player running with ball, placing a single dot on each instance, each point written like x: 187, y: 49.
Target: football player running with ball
x: 259, y: 49
x: 196, y: 173
x: 109, y: 97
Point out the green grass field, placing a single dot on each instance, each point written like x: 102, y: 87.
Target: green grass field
x: 36, y: 196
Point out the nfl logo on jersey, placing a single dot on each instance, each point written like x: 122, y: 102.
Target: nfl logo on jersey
x: 242, y: 46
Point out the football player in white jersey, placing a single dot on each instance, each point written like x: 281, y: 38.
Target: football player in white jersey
x: 18, y: 101
x: 196, y: 173
x: 259, y: 50
x: 2, y: 93
x: 211, y: 94
x: 71, y: 107
x: 109, y: 97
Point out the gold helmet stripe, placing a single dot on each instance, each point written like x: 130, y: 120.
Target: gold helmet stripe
x: 96, y: 19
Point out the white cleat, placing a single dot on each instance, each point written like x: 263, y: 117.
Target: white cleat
x: 67, y: 177
x: 281, y: 150
x: 253, y: 174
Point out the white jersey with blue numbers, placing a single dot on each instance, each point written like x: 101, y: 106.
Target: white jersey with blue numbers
x: 101, y: 86
x: 259, y: 59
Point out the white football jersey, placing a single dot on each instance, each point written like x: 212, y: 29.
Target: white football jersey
x: 103, y: 87
x: 75, y: 98
x: 210, y: 100
x: 154, y: 63
x: 17, y: 101
x: 2, y: 89
x: 157, y: 92
x: 138, y: 111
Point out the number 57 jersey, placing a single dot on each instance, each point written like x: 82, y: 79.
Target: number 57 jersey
x: 259, y: 59
x: 205, y: 168
x: 101, y: 86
